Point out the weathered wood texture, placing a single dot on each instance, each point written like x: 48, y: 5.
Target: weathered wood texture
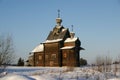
x: 52, y: 51
x: 69, y: 57
x: 39, y: 59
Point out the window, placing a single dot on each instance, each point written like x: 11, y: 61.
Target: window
x: 64, y: 55
x: 53, y: 56
x: 51, y: 63
x: 36, y: 62
x: 46, y: 56
x: 40, y: 57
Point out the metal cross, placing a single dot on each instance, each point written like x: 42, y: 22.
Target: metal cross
x: 58, y: 13
x: 72, y: 27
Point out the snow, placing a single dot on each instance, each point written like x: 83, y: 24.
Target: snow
x: 16, y: 77
x: 64, y: 30
x: 114, y: 79
x: 58, y: 26
x: 71, y: 39
x: 68, y: 47
x: 39, y: 48
x: 55, y: 73
x: 43, y: 77
x: 51, y: 41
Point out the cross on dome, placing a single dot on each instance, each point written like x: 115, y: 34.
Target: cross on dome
x: 58, y: 19
x: 58, y: 13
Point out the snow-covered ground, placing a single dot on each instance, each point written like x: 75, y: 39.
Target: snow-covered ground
x: 56, y: 73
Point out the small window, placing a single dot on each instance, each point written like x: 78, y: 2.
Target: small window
x: 36, y: 62
x: 40, y: 57
x: 46, y: 56
x: 64, y: 55
x: 53, y: 56
x: 51, y: 63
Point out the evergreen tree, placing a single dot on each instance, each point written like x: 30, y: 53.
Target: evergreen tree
x: 20, y: 62
x: 83, y: 62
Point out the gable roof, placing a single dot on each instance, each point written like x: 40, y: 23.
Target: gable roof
x: 59, y: 32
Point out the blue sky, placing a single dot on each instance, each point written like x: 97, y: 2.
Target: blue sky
x: 96, y: 23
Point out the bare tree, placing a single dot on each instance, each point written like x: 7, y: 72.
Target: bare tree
x: 100, y: 62
x: 108, y: 61
x: 103, y: 63
x: 119, y: 62
x: 6, y: 50
x: 117, y: 65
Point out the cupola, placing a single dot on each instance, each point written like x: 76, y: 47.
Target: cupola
x: 58, y: 19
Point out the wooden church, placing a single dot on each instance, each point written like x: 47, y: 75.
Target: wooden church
x: 61, y: 48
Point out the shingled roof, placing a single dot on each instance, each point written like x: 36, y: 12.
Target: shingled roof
x: 59, y: 32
